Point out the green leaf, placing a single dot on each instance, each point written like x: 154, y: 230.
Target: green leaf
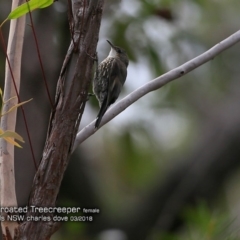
x: 9, y: 99
x: 11, y: 141
x: 16, y: 106
x: 29, y: 6
x: 9, y: 135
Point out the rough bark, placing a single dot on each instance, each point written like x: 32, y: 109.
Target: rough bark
x: 71, y: 95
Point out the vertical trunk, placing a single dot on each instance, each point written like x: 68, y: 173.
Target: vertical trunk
x: 71, y: 96
x: 8, y: 121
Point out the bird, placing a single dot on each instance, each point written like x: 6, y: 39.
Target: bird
x: 109, y: 79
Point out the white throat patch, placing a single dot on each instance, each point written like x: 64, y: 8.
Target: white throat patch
x: 112, y: 53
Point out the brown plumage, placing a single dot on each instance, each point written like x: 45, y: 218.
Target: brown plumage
x: 109, y: 79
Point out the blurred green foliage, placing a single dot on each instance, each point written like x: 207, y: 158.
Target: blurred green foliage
x: 203, y: 223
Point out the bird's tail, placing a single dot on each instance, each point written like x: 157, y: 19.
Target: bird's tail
x: 102, y: 111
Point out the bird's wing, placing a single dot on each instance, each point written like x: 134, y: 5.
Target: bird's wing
x: 109, y: 74
x: 115, y: 82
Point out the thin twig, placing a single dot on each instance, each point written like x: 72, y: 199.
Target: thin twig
x: 40, y: 60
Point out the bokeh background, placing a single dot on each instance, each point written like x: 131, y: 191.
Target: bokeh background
x: 168, y: 166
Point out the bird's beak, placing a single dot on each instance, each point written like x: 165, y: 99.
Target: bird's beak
x: 111, y: 44
x: 113, y: 51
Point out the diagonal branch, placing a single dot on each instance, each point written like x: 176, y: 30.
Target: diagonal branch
x: 158, y: 83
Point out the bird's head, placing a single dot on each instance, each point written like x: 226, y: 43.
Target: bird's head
x: 117, y: 52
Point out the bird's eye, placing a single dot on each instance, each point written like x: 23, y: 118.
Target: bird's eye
x: 119, y: 51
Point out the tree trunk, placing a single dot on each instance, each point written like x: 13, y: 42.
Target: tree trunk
x: 70, y: 99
